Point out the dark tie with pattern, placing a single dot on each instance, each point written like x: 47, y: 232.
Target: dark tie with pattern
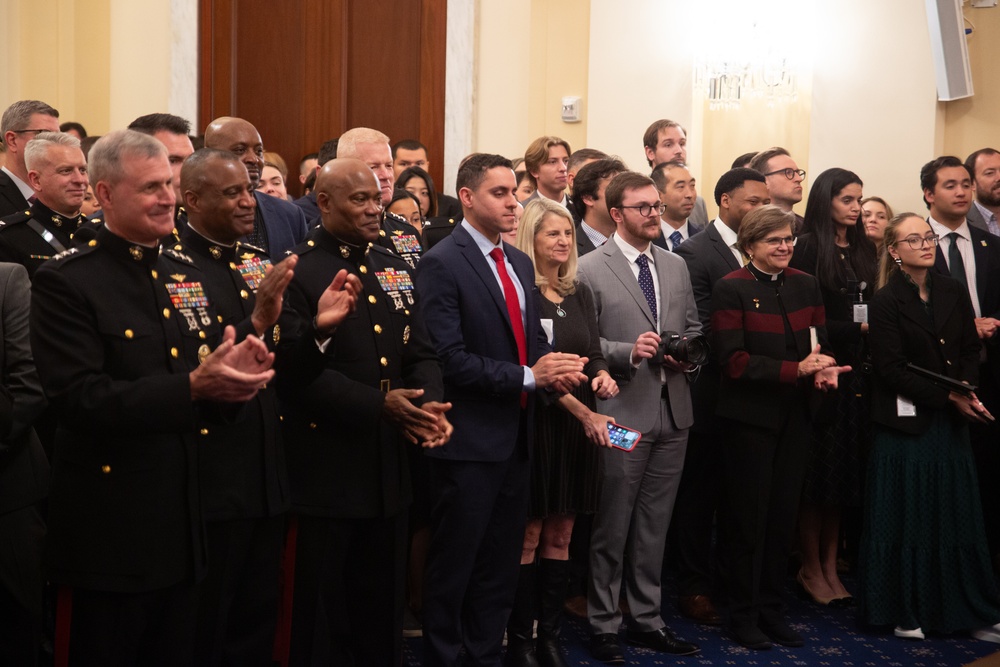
x: 646, y: 284
x: 955, y: 262
x: 513, y: 310
x: 675, y: 240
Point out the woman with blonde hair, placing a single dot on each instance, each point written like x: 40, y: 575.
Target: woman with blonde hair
x: 564, y: 465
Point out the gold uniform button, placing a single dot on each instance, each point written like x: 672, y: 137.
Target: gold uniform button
x: 232, y: 265
x: 201, y: 334
x: 384, y: 361
x: 166, y: 313
x: 371, y: 298
x: 310, y: 243
x: 92, y: 242
x: 378, y: 328
x: 381, y: 232
x: 220, y: 318
x: 281, y: 418
x: 106, y: 469
x: 942, y: 341
x: 363, y: 269
x: 154, y: 273
x: 129, y: 333
x: 203, y: 431
x: 312, y: 425
x: 243, y: 293
x: 406, y: 312
x: 174, y: 353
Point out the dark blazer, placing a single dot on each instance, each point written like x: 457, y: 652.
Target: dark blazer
x: 845, y: 333
x: 24, y: 469
x: 285, y: 224
x: 693, y: 229
x: 469, y: 326
x: 986, y: 249
x: 11, y: 199
x: 344, y: 459
x: 976, y: 219
x: 708, y: 260
x: 309, y: 207
x: 902, y: 331
x: 114, y: 351
x: 759, y: 374
x: 583, y: 242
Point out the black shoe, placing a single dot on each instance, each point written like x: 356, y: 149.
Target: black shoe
x: 779, y: 632
x: 606, y: 649
x: 661, y: 640
x: 751, y: 638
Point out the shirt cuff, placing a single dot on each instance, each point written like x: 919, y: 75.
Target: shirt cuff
x: 529, y: 379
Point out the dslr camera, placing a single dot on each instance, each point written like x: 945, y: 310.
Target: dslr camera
x: 693, y: 349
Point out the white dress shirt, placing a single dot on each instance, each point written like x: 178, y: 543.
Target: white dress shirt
x: 965, y: 249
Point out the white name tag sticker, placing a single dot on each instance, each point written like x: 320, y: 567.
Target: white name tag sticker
x: 860, y: 313
x: 905, y: 407
x: 547, y: 327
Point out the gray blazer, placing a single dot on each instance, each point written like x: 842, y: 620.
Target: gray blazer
x: 622, y: 314
x: 975, y: 218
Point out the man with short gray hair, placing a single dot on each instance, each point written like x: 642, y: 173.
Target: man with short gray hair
x: 123, y: 334
x: 20, y: 123
x: 57, y: 173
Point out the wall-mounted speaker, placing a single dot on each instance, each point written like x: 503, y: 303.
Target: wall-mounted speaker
x: 951, y: 53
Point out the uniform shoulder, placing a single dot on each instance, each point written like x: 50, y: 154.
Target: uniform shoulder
x: 179, y: 256
x: 14, y: 219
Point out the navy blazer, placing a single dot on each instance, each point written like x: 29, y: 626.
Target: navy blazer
x: 11, y: 199
x: 285, y: 224
x: 309, y: 207
x: 466, y: 315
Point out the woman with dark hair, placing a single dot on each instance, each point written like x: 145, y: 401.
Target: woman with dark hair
x: 770, y: 342
x: 418, y: 182
x: 406, y: 206
x: 925, y: 564
x: 837, y: 251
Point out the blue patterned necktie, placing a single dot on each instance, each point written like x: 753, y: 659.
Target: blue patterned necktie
x: 675, y: 240
x: 646, y: 284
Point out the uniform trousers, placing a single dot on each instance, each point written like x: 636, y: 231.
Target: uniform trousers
x: 21, y: 583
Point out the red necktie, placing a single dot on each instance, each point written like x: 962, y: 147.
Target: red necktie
x: 513, y: 310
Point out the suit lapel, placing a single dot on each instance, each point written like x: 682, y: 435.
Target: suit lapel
x: 721, y: 248
x: 478, y: 262
x: 619, y: 266
x: 910, y: 305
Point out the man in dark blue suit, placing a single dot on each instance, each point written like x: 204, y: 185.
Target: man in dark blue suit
x: 470, y: 283
x: 677, y: 195
x: 278, y: 225
x: 971, y: 255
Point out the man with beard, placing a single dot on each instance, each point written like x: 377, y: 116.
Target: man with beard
x: 278, y: 225
x: 984, y: 165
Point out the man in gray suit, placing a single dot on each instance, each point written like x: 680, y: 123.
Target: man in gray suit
x: 639, y: 291
x: 984, y: 167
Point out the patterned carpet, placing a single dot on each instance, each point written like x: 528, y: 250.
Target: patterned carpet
x: 833, y: 639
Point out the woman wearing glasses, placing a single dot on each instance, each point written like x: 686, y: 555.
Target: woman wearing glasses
x: 925, y: 566
x: 770, y: 339
x: 837, y: 251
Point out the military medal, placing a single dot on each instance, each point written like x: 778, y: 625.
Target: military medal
x: 407, y: 246
x: 189, y: 298
x: 253, y: 271
x: 397, y: 284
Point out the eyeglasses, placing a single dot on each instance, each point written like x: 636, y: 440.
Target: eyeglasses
x: 24, y: 131
x: 776, y: 241
x: 645, y: 210
x: 917, y: 242
x: 789, y: 173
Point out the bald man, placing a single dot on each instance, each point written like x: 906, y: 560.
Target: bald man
x: 347, y: 431
x: 278, y: 225
x: 243, y: 476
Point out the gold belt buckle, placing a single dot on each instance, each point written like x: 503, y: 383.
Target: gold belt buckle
x: 384, y: 385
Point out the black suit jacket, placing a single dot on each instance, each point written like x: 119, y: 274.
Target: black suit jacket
x: 24, y: 469
x: 986, y: 248
x: 902, y: 332
x: 708, y: 259
x: 583, y: 242
x: 309, y: 207
x: 11, y: 199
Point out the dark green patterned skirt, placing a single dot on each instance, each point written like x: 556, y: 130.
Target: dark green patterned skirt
x: 923, y: 556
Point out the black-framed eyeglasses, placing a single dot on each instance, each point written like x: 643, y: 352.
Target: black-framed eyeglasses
x: 776, y: 241
x: 645, y: 210
x: 789, y: 173
x: 23, y: 131
x: 916, y: 242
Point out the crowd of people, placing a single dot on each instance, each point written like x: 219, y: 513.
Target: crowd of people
x: 244, y: 429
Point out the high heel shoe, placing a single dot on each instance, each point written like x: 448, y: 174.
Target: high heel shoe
x: 812, y: 596
x: 915, y: 634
